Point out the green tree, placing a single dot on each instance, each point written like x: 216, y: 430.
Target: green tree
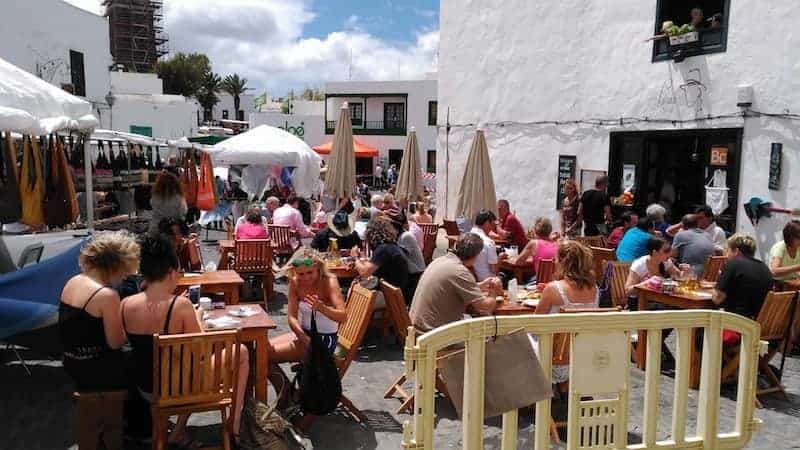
x: 207, y: 94
x: 183, y: 74
x: 235, y: 86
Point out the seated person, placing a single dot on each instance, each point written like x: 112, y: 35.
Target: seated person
x: 628, y: 220
x: 376, y: 206
x: 388, y: 261
x: 421, y: 215
x: 784, y: 258
x: 634, y: 244
x: 692, y: 245
x: 340, y: 227
x: 184, y: 244
x: 289, y: 215
x: 254, y: 226
x: 486, y: 264
x: 576, y: 289
x: 360, y: 227
x: 311, y: 289
x: 411, y: 251
x: 656, y: 262
x: 388, y: 202
x: 159, y: 310
x: 744, y: 281
x: 447, y: 288
x: 656, y: 213
x: 542, y: 246
x: 88, y: 314
x: 510, y: 227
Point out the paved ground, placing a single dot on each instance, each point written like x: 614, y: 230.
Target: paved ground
x: 36, y: 411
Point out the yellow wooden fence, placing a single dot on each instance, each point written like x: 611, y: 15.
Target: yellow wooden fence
x: 600, y: 367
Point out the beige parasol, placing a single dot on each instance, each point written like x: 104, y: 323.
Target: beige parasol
x: 477, y: 185
x: 340, y: 181
x: 409, y: 181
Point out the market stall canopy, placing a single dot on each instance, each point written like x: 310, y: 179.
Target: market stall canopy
x: 33, y: 106
x: 477, y: 184
x: 361, y: 150
x: 270, y: 146
x: 409, y: 180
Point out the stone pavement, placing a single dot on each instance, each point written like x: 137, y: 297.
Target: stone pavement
x: 37, y: 413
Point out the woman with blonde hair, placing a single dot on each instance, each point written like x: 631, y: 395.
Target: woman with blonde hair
x: 89, y: 313
x: 542, y: 246
x: 570, y: 219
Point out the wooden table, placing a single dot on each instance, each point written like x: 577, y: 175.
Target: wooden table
x: 254, y: 332
x: 225, y: 281
x: 681, y: 301
x: 226, y: 247
x: 508, y: 308
x: 343, y: 272
x: 520, y: 269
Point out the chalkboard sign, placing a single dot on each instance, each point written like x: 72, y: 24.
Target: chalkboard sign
x: 775, y: 162
x: 567, y: 165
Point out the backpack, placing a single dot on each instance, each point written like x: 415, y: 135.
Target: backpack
x: 320, y: 387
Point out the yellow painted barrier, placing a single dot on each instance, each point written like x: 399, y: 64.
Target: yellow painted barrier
x: 599, y: 369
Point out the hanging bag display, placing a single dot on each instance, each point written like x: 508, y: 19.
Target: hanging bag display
x: 206, y: 198
x: 717, y: 192
x: 56, y: 203
x: 32, y: 184
x: 10, y: 205
x: 189, y: 179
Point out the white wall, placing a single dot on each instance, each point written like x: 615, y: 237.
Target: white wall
x: 42, y: 32
x: 136, y: 83
x: 310, y: 129
x: 170, y: 116
x: 226, y: 103
x: 512, y: 60
x: 308, y: 108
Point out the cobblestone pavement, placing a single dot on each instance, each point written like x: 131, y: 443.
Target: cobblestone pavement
x: 37, y: 412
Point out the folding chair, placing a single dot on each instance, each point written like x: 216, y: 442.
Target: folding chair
x: 254, y: 257
x: 283, y: 246
x: 601, y: 256
x: 592, y: 241
x: 619, y: 275
x: 429, y: 246
x: 546, y: 271
x: 712, y: 268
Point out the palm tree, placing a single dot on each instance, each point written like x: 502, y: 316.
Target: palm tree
x: 207, y: 94
x: 235, y: 86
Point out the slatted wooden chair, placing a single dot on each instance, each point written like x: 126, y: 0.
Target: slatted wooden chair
x: 360, y: 305
x: 619, y: 275
x: 592, y: 241
x: 254, y: 258
x: 601, y: 257
x: 98, y: 418
x: 712, y: 268
x: 429, y: 227
x: 194, y: 373
x: 429, y: 246
x: 451, y: 228
x: 775, y: 319
x: 283, y: 243
x: 546, y: 271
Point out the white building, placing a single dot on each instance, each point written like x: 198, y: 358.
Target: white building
x: 529, y: 72
x: 225, y: 108
x: 69, y: 47
x: 309, y: 128
x: 382, y: 113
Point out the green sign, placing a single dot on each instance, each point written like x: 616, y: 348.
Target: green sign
x: 144, y: 131
x: 298, y: 130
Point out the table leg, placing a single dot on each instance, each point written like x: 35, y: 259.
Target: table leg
x: 232, y: 296
x: 694, y: 360
x: 641, y: 344
x: 223, y: 259
x: 262, y: 366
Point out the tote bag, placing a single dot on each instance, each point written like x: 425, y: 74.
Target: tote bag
x: 10, y: 206
x: 206, y: 200
x: 32, y: 184
x: 189, y: 179
x: 319, y: 383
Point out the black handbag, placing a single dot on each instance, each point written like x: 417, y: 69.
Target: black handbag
x: 320, y: 387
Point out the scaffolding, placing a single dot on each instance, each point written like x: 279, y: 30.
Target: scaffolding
x: 136, y: 34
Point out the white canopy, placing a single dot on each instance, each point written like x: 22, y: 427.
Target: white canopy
x: 33, y: 106
x: 270, y: 146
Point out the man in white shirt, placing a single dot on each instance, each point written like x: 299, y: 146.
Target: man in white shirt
x: 378, y: 181
x: 705, y: 222
x: 486, y: 264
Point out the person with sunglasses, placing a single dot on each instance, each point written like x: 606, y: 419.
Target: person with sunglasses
x: 312, y: 290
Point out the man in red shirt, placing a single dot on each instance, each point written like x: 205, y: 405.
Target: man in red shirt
x: 510, y: 226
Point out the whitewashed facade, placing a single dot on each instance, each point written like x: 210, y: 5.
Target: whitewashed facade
x: 383, y: 127
x: 511, y: 63
x: 309, y: 128
x: 225, y: 108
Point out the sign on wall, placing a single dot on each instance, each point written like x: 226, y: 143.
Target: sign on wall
x: 775, y: 163
x: 719, y: 156
x: 567, y: 165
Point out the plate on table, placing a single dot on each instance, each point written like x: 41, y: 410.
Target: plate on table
x: 531, y: 303
x: 702, y: 294
x: 191, y: 274
x: 707, y: 284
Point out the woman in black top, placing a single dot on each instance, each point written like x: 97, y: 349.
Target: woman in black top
x: 388, y: 261
x: 88, y: 314
x: 159, y: 310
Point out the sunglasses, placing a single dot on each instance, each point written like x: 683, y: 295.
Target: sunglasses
x: 308, y: 262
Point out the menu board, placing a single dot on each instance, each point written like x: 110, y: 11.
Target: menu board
x: 567, y: 165
x: 775, y: 163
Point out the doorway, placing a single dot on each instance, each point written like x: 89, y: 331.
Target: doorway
x: 673, y: 167
x: 395, y: 157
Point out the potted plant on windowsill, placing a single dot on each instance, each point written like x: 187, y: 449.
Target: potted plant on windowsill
x: 685, y: 34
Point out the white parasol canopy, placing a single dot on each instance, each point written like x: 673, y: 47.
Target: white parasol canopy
x: 269, y: 146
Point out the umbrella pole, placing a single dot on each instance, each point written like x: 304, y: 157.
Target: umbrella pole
x: 447, y: 164
x: 87, y: 169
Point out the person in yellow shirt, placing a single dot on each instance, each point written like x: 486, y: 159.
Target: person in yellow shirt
x: 784, y: 257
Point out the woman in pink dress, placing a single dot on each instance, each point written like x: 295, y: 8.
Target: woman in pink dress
x: 253, y: 227
x: 542, y: 246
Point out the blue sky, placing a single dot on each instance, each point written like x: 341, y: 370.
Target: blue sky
x: 280, y: 45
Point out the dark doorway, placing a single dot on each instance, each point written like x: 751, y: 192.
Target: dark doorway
x: 395, y: 157
x: 673, y: 167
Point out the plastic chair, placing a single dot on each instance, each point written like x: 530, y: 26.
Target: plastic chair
x: 31, y: 254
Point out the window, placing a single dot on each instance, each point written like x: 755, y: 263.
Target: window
x: 224, y: 113
x: 712, y: 31
x: 431, y: 161
x: 394, y: 116
x: 356, y: 113
x: 143, y: 130
x: 395, y: 157
x: 433, y: 115
x: 77, y: 73
x: 240, y: 115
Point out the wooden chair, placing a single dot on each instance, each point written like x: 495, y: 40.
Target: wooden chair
x: 254, y: 257
x: 429, y: 228
x: 775, y: 319
x: 194, y: 373
x: 283, y: 246
x: 546, y: 271
x: 429, y: 246
x: 592, y: 241
x: 98, y: 417
x: 713, y: 267
x: 360, y: 305
x: 601, y: 257
x: 619, y: 275
x: 229, y: 230
x: 451, y: 228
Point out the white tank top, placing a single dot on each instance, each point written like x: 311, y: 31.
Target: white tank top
x: 566, y: 303
x: 324, y: 324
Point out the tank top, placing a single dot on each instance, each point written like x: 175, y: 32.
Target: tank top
x: 567, y: 303
x: 544, y: 250
x: 142, y: 345
x: 82, y: 334
x: 324, y: 324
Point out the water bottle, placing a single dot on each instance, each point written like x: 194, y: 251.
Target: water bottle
x: 512, y: 290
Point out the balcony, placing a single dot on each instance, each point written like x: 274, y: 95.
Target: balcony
x: 372, y: 127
